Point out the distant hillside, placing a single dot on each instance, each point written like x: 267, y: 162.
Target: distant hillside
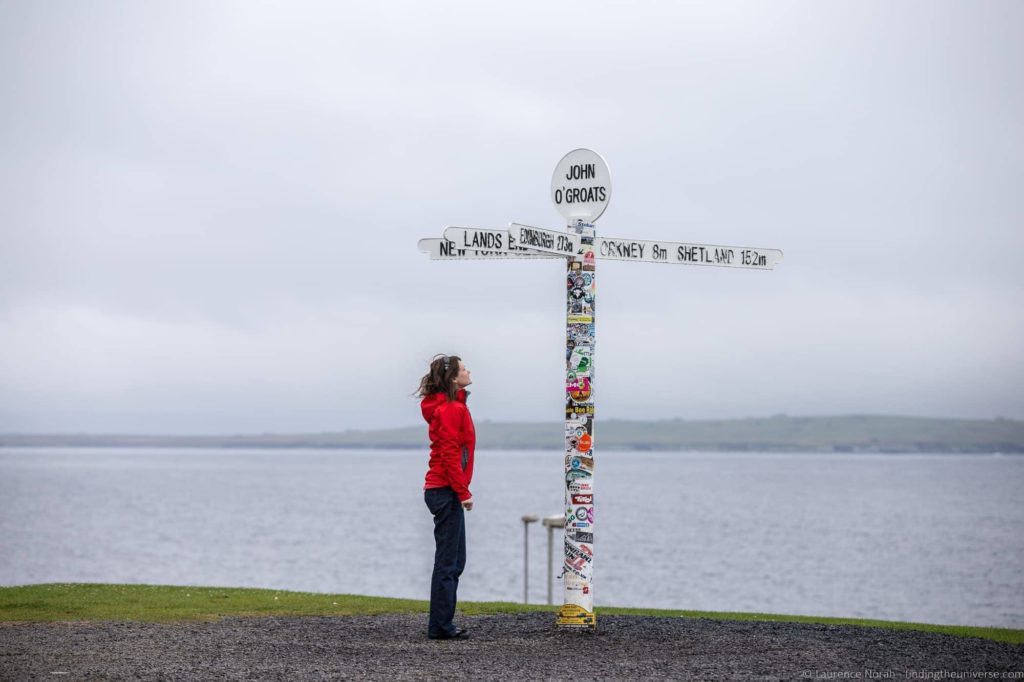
x: 773, y: 434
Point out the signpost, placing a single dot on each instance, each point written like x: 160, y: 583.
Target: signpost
x: 549, y: 241
x: 446, y: 249
x: 612, y: 248
x: 580, y: 190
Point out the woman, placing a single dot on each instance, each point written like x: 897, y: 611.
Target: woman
x: 446, y: 489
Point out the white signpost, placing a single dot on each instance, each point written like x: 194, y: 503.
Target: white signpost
x: 580, y: 190
x: 612, y: 248
x: 447, y: 249
x: 549, y: 241
x: 581, y: 186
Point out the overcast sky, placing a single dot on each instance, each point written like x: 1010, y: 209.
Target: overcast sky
x: 209, y: 211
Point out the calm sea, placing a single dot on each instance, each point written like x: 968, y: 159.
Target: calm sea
x: 931, y: 538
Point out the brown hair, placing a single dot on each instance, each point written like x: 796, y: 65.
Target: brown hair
x: 441, y: 378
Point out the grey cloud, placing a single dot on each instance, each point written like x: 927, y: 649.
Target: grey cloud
x: 211, y: 209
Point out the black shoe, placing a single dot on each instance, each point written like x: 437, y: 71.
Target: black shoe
x: 460, y: 633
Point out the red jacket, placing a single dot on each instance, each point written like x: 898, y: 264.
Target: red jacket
x: 452, y: 443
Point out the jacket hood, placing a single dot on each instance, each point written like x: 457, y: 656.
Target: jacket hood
x: 433, y: 401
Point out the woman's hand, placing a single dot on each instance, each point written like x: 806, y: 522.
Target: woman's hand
x: 467, y: 504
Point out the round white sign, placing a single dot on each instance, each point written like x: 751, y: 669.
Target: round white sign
x: 581, y: 186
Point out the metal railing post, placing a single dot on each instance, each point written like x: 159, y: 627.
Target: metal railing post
x: 527, y: 520
x: 552, y: 522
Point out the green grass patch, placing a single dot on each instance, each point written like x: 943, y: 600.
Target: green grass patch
x: 166, y: 603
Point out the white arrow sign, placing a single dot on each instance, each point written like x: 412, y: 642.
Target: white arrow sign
x: 485, y: 240
x: 549, y: 241
x: 445, y: 249
x: 685, y: 253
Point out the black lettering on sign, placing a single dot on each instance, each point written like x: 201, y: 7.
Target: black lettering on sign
x: 633, y: 250
x: 723, y: 256
x: 694, y: 254
x: 579, y: 195
x: 579, y: 171
x: 530, y: 237
x: 753, y: 258
x: 490, y: 241
x: 658, y: 253
x: 447, y: 247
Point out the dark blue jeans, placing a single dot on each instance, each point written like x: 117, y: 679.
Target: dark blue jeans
x: 449, y: 557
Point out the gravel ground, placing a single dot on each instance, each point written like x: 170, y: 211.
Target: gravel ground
x: 524, y: 647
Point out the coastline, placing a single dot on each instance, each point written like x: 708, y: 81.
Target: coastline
x: 840, y: 434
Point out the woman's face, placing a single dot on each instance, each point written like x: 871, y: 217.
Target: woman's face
x: 464, y: 378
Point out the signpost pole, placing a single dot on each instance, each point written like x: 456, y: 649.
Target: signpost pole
x: 577, y: 575
x: 580, y: 190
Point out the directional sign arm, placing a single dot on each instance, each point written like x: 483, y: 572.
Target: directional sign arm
x: 445, y: 249
x: 541, y: 239
x: 486, y: 240
x: 685, y: 253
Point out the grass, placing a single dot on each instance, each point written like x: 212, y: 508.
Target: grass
x: 164, y: 603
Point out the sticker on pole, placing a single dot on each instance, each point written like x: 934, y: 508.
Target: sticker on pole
x: 581, y: 186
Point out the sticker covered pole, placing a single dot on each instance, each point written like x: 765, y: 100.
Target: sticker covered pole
x: 580, y: 190
x: 578, y: 571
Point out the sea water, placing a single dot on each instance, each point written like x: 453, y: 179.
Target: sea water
x: 929, y: 538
